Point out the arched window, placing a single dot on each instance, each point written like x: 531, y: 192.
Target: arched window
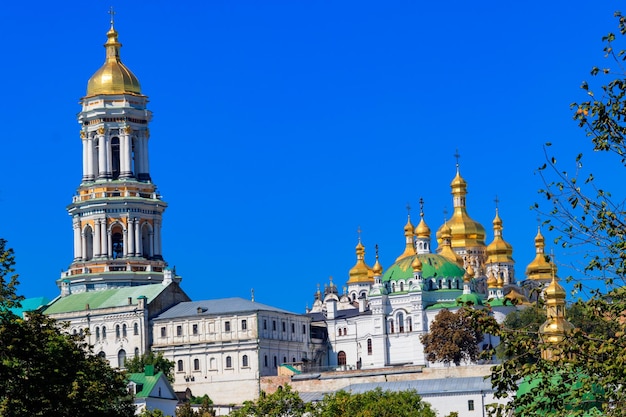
x: 117, y: 331
x: 341, y: 358
x: 244, y: 360
x: 179, y: 367
x: 401, y: 286
x: 265, y: 361
x: 88, y: 242
x: 121, y: 358
x: 393, y: 287
x: 275, y: 362
x: 97, y: 333
x: 369, y: 346
x: 124, y: 330
x: 409, y: 324
x: 401, y: 322
x: 136, y: 329
x: 196, y: 364
x: 117, y: 240
x: 136, y: 352
x: 146, y: 241
x: 284, y: 359
x: 104, y: 332
x: 339, y: 331
x: 101, y: 354
x: 229, y: 362
x: 115, y: 157
x: 391, y: 329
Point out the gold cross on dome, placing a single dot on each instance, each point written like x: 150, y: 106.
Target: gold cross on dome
x: 112, y: 13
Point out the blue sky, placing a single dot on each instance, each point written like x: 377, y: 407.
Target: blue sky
x: 280, y: 127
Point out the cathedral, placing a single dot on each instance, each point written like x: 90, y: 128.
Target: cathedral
x: 120, y: 293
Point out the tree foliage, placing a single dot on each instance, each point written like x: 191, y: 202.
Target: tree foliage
x: 587, y: 371
x: 44, y: 371
x: 453, y: 337
x: 205, y: 410
x: 137, y: 364
x: 283, y: 403
x: 376, y: 403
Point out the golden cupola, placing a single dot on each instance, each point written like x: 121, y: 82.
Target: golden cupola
x: 360, y: 272
x: 540, y: 269
x: 465, y: 231
x: 377, y: 269
x: 553, y: 330
x: 499, y: 251
x: 445, y: 247
x: 113, y: 77
x: 409, y: 249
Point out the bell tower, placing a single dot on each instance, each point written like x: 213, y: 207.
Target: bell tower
x: 117, y: 211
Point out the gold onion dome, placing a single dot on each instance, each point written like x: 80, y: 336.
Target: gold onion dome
x: 540, y: 268
x: 360, y: 272
x: 469, y: 274
x: 445, y: 249
x: 113, y: 77
x: 422, y: 230
x: 465, y: 231
x: 377, y: 269
x: 492, y: 282
x: 409, y: 249
x: 416, y: 264
x: 499, y: 250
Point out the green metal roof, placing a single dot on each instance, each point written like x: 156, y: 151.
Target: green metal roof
x: 30, y: 304
x: 147, y: 383
x: 117, y: 297
x: 433, y: 265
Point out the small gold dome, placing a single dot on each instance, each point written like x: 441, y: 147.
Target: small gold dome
x: 416, y: 264
x: 492, y: 282
x: 113, y: 77
x: 554, y: 291
x: 422, y: 230
x: 540, y: 269
x: 409, y: 248
x: 360, y: 272
x: 499, y: 250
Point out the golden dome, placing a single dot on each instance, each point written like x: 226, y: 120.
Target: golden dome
x: 445, y: 249
x: 516, y: 297
x: 416, y: 264
x: 409, y: 249
x: 422, y: 230
x: 554, y: 291
x: 499, y: 250
x: 113, y: 77
x: 360, y: 272
x: 540, y: 269
x: 492, y: 282
x: 465, y: 231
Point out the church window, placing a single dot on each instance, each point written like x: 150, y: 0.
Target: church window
x: 449, y: 284
x: 117, y: 240
x: 194, y: 329
x: 88, y: 243
x: 345, y: 331
x: 284, y: 326
x: 470, y: 405
x: 136, y: 329
x: 101, y: 354
x: 74, y: 332
x: 196, y: 364
x: 117, y: 331
x: 179, y: 330
x: 179, y: 366
x: 274, y: 325
x: 391, y: 329
x: 227, y: 326
x: 369, y: 346
x: 275, y: 362
x: 293, y: 327
x: 265, y: 361
x: 146, y: 237
x: 229, y: 362
x: 339, y: 332
x: 341, y: 358
x: 402, y: 286
x: 304, y: 329
x: 136, y: 352
x: 293, y: 360
x: 401, y: 322
x: 244, y: 324
x: 97, y: 333
x: 264, y: 324
x: 409, y: 323
x: 115, y: 157
x: 284, y: 359
x: 393, y: 287
x: 121, y: 358
x: 244, y: 361
x: 123, y: 330
x: 104, y: 332
x: 163, y: 331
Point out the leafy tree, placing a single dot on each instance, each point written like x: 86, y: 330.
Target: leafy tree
x: 283, y: 403
x: 376, y: 403
x: 206, y: 408
x: 137, y: 364
x: 586, y: 373
x: 152, y: 413
x: 44, y: 371
x: 453, y: 337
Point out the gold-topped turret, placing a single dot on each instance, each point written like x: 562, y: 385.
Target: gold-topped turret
x: 499, y: 251
x: 409, y: 249
x: 445, y: 247
x: 465, y: 231
x: 553, y: 330
x: 377, y: 269
x: 540, y: 269
x: 422, y: 231
x: 360, y: 272
x: 113, y: 77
